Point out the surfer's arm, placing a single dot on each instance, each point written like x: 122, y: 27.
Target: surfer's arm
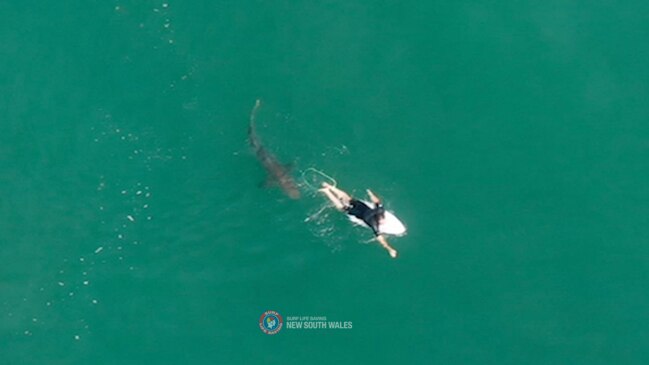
x: 373, y: 197
x: 393, y: 253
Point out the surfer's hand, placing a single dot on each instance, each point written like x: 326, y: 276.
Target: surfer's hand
x: 393, y: 253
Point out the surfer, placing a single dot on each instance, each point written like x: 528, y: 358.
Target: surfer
x: 372, y: 217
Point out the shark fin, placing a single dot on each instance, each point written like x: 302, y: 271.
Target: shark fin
x: 289, y: 166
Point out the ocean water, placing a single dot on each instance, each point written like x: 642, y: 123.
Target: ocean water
x: 511, y: 138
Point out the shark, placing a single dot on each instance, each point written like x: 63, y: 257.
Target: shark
x: 277, y: 172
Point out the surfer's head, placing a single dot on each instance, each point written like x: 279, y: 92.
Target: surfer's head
x: 380, y: 211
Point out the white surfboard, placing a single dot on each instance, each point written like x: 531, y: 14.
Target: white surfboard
x: 390, y: 225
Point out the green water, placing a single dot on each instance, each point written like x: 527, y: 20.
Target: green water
x: 512, y: 138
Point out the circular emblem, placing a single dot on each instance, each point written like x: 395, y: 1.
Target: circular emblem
x: 270, y: 322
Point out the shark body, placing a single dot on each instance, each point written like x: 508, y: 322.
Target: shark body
x: 277, y: 171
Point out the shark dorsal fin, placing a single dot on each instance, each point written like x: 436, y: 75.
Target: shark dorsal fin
x: 289, y: 166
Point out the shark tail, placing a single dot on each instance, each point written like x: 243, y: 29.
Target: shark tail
x: 252, y: 135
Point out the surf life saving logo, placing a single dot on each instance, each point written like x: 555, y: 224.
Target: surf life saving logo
x: 270, y: 322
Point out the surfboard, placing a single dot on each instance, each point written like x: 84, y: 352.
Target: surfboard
x: 391, y: 224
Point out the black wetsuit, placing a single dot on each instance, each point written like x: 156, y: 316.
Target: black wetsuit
x: 369, y: 216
